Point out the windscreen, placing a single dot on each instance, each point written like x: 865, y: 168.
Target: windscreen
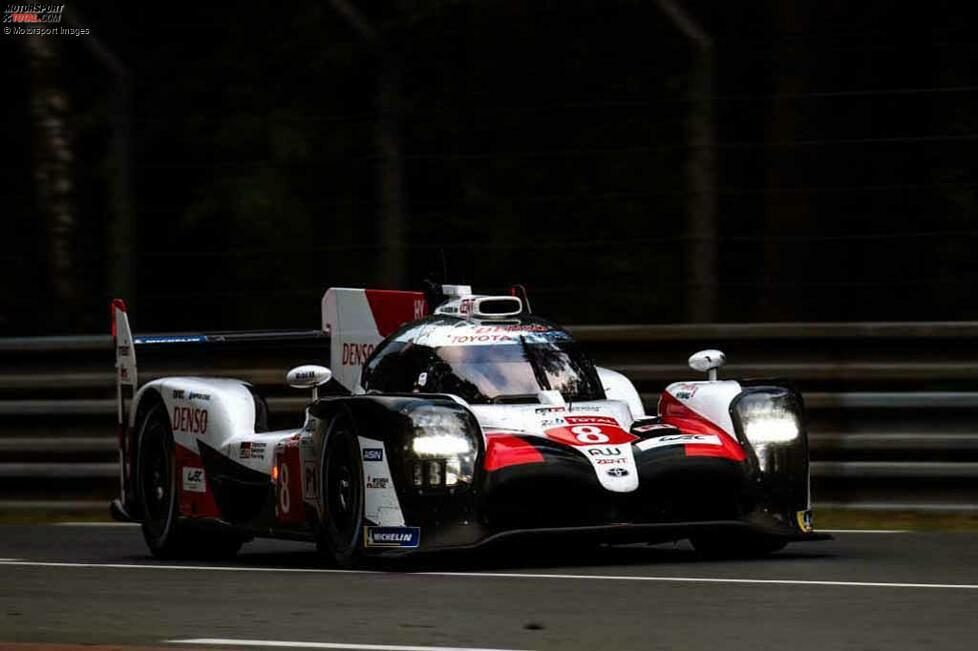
x: 513, y: 372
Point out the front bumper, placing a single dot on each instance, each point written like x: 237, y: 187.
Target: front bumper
x: 625, y: 533
x: 561, y: 499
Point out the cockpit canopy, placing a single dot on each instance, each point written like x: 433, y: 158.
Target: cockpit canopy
x: 483, y: 362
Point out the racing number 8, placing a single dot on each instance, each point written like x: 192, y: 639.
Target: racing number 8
x: 589, y: 434
x: 283, y: 490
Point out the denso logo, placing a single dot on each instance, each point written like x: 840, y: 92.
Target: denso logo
x: 356, y: 354
x: 192, y: 421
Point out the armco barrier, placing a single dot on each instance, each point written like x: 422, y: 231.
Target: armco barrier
x: 893, y: 407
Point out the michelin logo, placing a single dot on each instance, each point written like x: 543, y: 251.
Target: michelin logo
x: 407, y: 537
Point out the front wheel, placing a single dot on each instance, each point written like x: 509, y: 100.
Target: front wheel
x: 341, y: 532
x: 165, y: 534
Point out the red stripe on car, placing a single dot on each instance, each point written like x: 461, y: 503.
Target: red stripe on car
x: 392, y: 309
x: 676, y: 413
x: 503, y: 450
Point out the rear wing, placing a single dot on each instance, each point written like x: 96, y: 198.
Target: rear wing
x: 354, y: 321
x: 245, y: 354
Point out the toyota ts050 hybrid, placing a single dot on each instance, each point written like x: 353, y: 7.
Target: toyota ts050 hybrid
x: 448, y: 420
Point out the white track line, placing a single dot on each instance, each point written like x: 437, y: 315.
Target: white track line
x: 324, y: 645
x: 211, y: 568
x: 505, y: 575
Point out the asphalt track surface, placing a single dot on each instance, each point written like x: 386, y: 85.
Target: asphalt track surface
x: 97, y: 585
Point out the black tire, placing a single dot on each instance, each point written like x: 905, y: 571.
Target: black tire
x: 341, y: 530
x: 732, y: 546
x: 166, y: 535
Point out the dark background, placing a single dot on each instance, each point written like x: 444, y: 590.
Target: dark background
x: 630, y: 162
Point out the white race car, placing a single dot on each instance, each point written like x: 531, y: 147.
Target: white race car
x: 451, y: 421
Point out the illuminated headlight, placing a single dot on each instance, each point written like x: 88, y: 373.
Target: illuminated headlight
x: 440, y: 445
x: 442, y: 448
x: 771, y: 427
x: 769, y: 420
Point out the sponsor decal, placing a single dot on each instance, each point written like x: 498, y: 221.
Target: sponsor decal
x: 617, y: 472
x: 252, y: 450
x: 378, y: 482
x: 309, y: 480
x: 592, y: 420
x: 356, y: 354
x: 549, y: 410
x: 605, y: 452
x: 552, y: 422
x: 193, y: 480
x: 373, y: 454
x: 198, y: 396
x: 189, y: 420
x: 608, y: 461
x: 598, y: 430
x: 679, y: 439
x: 644, y: 429
x: 123, y: 351
x: 407, y: 537
x: 507, y: 334
x: 178, y: 394
x: 588, y: 408
x: 685, y: 391
x: 172, y: 339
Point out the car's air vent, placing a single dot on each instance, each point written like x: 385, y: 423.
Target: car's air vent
x: 496, y: 306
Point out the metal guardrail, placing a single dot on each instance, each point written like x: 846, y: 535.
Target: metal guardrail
x: 893, y: 406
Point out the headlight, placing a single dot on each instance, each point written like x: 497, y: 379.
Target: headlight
x: 769, y: 420
x: 441, y: 445
x: 771, y: 426
x: 442, y: 448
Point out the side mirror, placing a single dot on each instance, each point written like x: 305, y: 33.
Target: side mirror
x: 309, y: 376
x: 708, y: 361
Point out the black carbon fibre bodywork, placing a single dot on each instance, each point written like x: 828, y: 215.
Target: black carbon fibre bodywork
x: 677, y: 494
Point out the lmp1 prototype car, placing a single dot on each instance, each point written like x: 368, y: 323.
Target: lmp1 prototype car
x: 469, y: 423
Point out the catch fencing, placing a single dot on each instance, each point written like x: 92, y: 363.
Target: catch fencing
x: 892, y: 407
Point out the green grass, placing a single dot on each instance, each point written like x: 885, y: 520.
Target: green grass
x: 912, y: 521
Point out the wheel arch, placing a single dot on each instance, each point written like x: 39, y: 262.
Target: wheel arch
x: 145, y: 401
